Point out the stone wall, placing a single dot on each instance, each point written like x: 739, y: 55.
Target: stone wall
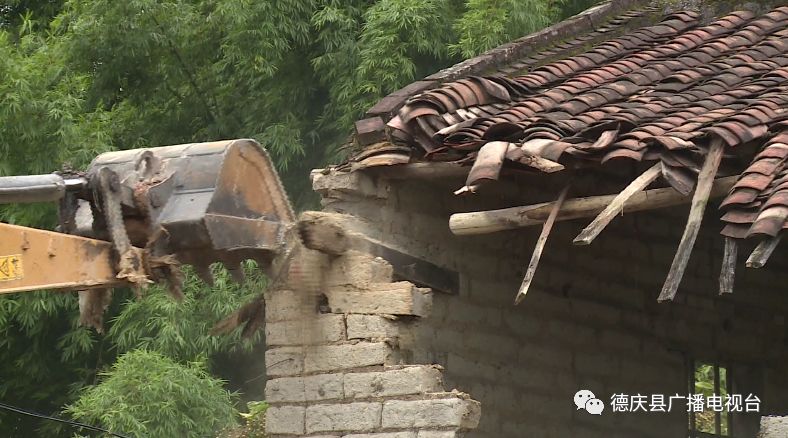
x: 591, y: 319
x: 774, y: 427
x: 334, y: 364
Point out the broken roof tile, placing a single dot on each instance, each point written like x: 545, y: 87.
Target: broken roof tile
x: 657, y: 92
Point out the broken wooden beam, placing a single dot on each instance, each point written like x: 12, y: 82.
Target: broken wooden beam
x: 540, y: 243
x: 331, y: 234
x: 421, y: 272
x: 616, y: 206
x: 728, y: 270
x: 484, y: 222
x: 760, y: 255
x: 699, y: 200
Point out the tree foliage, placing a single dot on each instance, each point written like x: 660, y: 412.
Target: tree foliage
x: 79, y: 77
x: 181, y: 330
x: 488, y: 23
x: 253, y: 423
x: 146, y: 394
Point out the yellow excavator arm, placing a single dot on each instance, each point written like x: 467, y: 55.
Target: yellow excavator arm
x: 133, y: 217
x: 32, y: 259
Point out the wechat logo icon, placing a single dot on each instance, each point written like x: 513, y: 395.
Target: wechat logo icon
x: 586, y: 400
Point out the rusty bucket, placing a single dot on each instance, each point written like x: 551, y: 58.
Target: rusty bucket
x: 201, y: 203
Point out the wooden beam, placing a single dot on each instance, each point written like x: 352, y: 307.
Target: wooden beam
x: 699, y: 200
x: 728, y: 271
x: 484, y: 222
x: 416, y: 270
x: 760, y: 255
x: 540, y: 243
x: 421, y: 171
x: 616, y: 206
x: 329, y: 233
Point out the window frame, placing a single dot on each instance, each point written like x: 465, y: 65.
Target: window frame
x: 693, y: 366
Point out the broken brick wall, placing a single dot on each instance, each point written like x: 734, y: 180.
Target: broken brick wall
x: 774, y: 427
x: 591, y: 319
x: 333, y: 360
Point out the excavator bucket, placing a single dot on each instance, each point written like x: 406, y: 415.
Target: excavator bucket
x: 194, y: 204
x: 136, y: 216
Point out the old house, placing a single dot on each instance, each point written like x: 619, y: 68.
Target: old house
x: 597, y: 206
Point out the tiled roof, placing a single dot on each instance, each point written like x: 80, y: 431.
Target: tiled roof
x: 657, y: 92
x: 654, y: 89
x: 758, y: 202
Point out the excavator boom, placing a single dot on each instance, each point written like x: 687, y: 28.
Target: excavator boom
x: 32, y: 259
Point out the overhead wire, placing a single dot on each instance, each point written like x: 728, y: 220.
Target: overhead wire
x: 59, y: 420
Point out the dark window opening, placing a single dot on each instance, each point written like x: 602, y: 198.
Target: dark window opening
x: 710, y: 383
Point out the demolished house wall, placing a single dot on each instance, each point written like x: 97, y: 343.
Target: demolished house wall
x: 338, y: 371
x: 774, y: 427
x: 591, y: 320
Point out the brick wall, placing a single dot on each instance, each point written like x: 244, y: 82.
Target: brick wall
x: 334, y: 364
x: 590, y: 320
x: 774, y: 427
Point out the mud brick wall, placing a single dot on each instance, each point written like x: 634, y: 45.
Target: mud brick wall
x: 774, y: 427
x: 334, y: 364
x: 591, y: 319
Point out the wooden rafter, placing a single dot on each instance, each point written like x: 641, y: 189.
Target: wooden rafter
x: 330, y: 234
x: 484, y: 222
x: 760, y: 255
x: 540, y: 243
x: 699, y: 200
x: 616, y: 206
x: 728, y: 270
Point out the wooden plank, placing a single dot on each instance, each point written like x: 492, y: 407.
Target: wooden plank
x: 540, y: 243
x: 542, y: 164
x: 519, y: 154
x: 330, y: 234
x: 699, y: 200
x: 419, y: 271
x: 484, y: 222
x: 617, y: 205
x: 728, y: 270
x: 421, y: 171
x: 762, y: 252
